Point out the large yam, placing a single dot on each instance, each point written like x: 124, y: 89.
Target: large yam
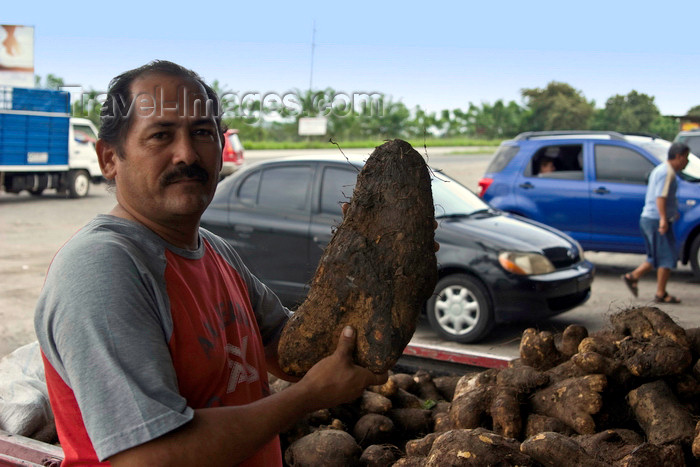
x: 377, y: 271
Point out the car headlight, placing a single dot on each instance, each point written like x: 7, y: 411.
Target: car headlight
x: 525, y: 263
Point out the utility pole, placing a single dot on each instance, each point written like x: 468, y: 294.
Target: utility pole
x: 313, y: 47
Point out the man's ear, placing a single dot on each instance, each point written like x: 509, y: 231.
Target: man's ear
x: 107, y: 155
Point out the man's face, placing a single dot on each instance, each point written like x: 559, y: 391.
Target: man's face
x: 171, y: 156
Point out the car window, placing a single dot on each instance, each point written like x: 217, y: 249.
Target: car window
x: 84, y: 133
x: 336, y: 188
x: 502, y: 158
x: 563, y: 161
x: 235, y: 142
x: 620, y: 164
x: 285, y: 187
x: 452, y: 198
x: 692, y: 141
x: 248, y: 191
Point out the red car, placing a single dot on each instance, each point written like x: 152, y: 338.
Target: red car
x: 232, y: 154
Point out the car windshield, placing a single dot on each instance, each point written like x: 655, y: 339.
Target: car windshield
x: 453, y: 199
x: 659, y: 149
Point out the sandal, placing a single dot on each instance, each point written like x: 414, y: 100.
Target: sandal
x: 631, y: 284
x: 666, y: 298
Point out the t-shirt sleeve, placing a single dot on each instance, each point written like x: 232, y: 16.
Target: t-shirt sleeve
x: 100, y: 312
x: 661, y: 181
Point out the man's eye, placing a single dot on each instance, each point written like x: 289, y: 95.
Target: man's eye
x: 203, y: 133
x: 159, y: 135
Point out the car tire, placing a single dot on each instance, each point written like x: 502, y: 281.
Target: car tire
x: 78, y: 184
x: 460, y: 309
x: 695, y: 256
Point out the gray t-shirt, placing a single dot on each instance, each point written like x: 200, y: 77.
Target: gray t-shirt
x: 105, y: 322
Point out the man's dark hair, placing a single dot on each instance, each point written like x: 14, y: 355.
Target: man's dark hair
x: 677, y: 149
x: 115, y: 115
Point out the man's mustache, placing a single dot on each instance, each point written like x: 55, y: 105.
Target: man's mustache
x: 185, y: 172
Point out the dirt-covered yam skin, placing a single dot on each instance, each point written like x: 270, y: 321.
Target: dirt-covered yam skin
x: 377, y: 271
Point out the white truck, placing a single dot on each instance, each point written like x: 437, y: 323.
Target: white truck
x: 42, y: 147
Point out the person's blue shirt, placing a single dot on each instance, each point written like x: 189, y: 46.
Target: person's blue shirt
x: 662, y: 183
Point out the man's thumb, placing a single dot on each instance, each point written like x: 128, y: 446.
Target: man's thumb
x: 346, y: 343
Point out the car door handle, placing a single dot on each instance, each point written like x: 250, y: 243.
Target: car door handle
x: 526, y: 185
x: 602, y: 191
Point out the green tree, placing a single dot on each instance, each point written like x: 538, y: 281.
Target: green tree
x: 557, y: 107
x: 633, y: 113
x: 694, y: 110
x: 420, y: 124
x: 665, y: 127
x: 88, y: 106
x: 51, y: 81
x: 498, y: 120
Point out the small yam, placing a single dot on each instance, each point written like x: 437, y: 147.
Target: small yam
x: 610, y: 445
x: 442, y: 422
x: 556, y: 450
x: 404, y: 381
x: 523, y: 378
x: 592, y: 362
x: 661, y: 416
x: 446, y: 385
x: 373, y: 428
x: 421, y: 447
x: 573, y: 401
x: 324, y: 448
x: 387, y: 389
x: 696, y: 441
x: 469, y: 409
x: 648, y: 454
x: 537, y: 423
x: 468, y: 382
x: 505, y: 412
x: 654, y: 357
x: 373, y: 402
x: 631, y: 322
x: 405, y: 399
x: 412, y: 422
x: 427, y: 390
x: 565, y: 370
x: 568, y: 341
x: 602, y: 343
x: 378, y: 455
x: 377, y: 271
x: 538, y: 350
x: 477, y: 447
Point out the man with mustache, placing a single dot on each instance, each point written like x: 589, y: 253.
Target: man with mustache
x: 166, y: 364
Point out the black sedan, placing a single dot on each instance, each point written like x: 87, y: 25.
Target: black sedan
x: 493, y: 267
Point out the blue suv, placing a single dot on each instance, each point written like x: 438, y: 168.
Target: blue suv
x: 596, y: 189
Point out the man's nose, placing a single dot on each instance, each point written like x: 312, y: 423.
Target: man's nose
x: 184, y: 149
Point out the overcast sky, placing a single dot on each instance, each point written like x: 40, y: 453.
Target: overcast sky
x: 438, y: 54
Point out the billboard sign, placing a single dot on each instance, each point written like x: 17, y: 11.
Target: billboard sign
x: 17, y: 56
x: 313, y: 126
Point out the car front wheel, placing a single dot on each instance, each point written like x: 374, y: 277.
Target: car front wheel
x: 460, y: 310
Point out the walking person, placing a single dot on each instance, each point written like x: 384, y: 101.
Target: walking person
x: 656, y: 223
